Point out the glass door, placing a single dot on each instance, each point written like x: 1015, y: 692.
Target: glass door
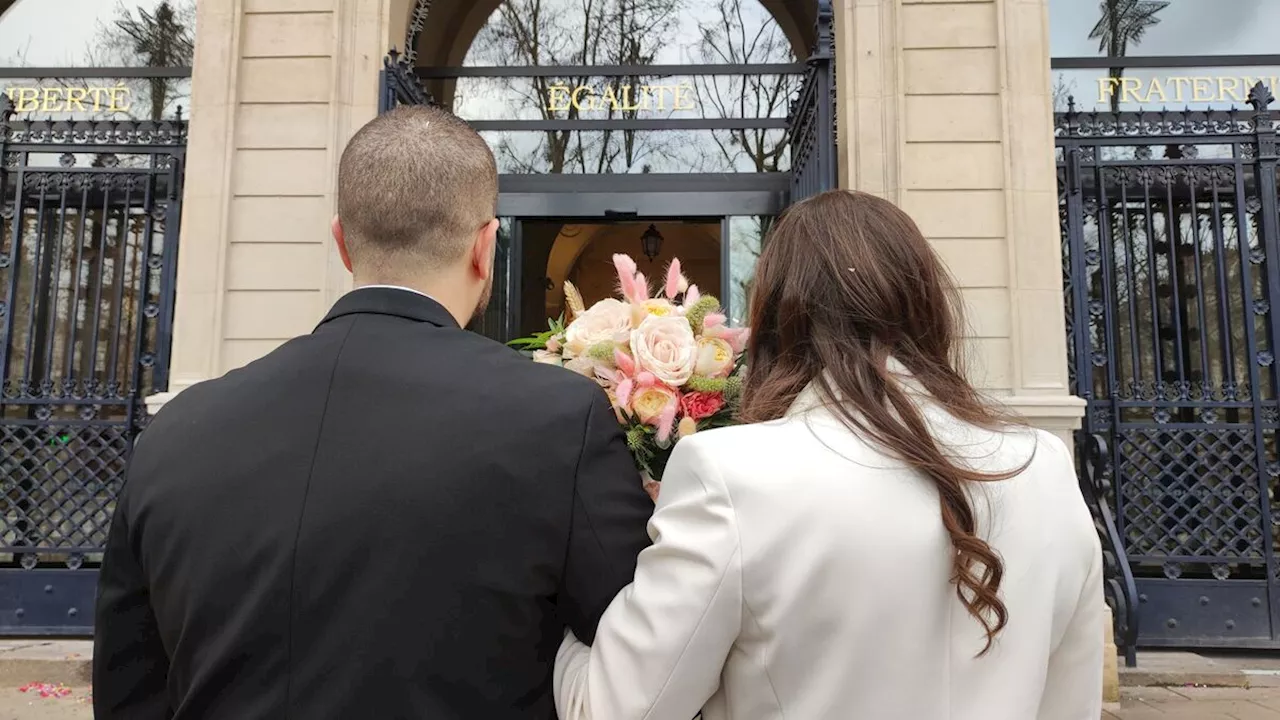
x: 743, y: 239
x: 500, y: 320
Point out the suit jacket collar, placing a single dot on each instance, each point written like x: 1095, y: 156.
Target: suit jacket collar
x: 397, y: 302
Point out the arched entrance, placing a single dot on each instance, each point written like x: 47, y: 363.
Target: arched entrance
x: 705, y: 117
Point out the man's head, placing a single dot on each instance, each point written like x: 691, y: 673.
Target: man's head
x: 417, y: 194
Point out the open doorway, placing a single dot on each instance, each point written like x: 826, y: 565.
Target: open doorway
x: 581, y: 252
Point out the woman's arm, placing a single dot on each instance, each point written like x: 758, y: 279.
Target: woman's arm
x: 662, y: 643
x: 1073, y: 687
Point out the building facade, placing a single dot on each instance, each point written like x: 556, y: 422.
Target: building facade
x: 1113, y: 257
x: 673, y: 120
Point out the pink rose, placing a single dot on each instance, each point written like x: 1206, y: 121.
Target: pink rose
x: 701, y: 405
x: 665, y: 346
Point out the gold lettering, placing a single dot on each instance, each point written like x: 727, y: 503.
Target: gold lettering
x: 628, y: 103
x: 1129, y: 88
x: 75, y: 99
x: 609, y: 101
x: 64, y: 99
x: 97, y: 94
x: 578, y: 92
x: 1200, y: 91
x: 25, y: 99
x: 119, y: 99
x: 684, y: 97
x: 558, y: 98
x: 49, y: 99
x: 1229, y: 88
x: 1180, y: 85
x: 1156, y: 91
x: 662, y: 95
x: 1107, y: 88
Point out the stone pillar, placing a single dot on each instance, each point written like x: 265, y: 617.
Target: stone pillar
x: 278, y: 86
x: 945, y: 107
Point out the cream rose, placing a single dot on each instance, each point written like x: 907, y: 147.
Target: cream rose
x: 715, y: 358
x: 658, y: 306
x: 649, y: 403
x: 546, y: 357
x: 665, y: 347
x: 607, y: 321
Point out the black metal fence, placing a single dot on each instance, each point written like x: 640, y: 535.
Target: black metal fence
x: 1171, y: 267
x: 812, y: 133
x: 89, y: 216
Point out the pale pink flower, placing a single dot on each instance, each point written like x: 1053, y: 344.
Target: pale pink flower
x: 666, y: 423
x: 715, y: 358
x: 665, y: 347
x: 736, y: 337
x: 607, y: 321
x: 658, y: 306
x: 632, y: 285
x: 713, y: 320
x: 546, y: 357
x: 553, y: 345
x: 651, y: 403
x: 676, y: 281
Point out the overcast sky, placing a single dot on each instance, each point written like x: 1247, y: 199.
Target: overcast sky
x: 1204, y: 27
x: 58, y: 32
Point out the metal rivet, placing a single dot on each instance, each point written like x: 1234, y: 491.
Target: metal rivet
x: 1231, y: 624
x: 48, y: 589
x: 1257, y: 602
x: 1171, y: 623
x: 1142, y: 597
x: 19, y: 612
x: 73, y: 612
x: 1204, y: 600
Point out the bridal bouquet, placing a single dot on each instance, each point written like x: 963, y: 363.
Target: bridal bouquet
x: 669, y: 363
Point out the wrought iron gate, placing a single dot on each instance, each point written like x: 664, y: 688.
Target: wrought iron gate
x: 1172, y: 267
x: 812, y: 121
x: 88, y: 245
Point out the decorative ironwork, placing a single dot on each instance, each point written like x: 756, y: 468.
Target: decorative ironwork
x: 89, y: 217
x: 1098, y: 488
x: 1170, y: 251
x: 399, y: 84
x: 417, y: 21
x: 812, y: 118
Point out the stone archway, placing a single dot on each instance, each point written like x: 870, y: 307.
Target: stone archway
x: 440, y: 32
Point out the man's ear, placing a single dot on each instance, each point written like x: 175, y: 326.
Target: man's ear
x: 340, y: 238
x: 482, y: 252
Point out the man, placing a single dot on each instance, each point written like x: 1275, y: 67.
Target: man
x: 390, y: 518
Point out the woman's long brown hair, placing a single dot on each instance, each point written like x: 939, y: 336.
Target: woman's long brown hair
x: 846, y: 282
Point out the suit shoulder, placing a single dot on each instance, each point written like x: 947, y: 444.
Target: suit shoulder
x: 528, y: 380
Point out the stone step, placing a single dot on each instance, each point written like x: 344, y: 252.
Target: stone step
x: 1172, y: 668
x: 49, y: 661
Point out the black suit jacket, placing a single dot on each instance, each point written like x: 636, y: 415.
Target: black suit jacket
x: 390, y: 518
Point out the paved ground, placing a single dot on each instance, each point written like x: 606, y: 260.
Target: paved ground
x: 1192, y: 703
x: 17, y: 705
x: 1164, y: 686
x: 1138, y: 704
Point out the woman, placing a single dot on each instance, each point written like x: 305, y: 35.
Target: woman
x: 881, y: 543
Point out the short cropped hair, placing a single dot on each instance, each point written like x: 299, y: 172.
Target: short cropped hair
x: 414, y: 186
